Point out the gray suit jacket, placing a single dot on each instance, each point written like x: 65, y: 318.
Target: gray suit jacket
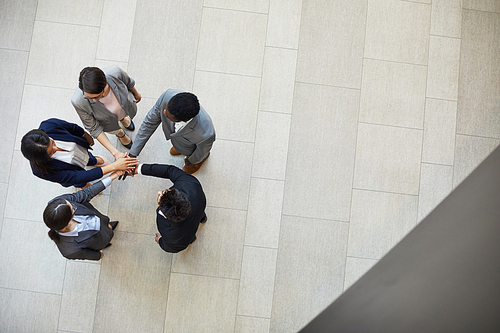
x: 194, y: 140
x: 94, y: 115
x: 87, y: 244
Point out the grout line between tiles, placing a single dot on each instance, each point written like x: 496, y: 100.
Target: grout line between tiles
x: 15, y: 50
x: 396, y: 62
x: 32, y: 291
x: 443, y: 36
x: 314, y: 218
x: 74, y: 24
x: 440, y: 164
x: 394, y: 126
x: 204, y: 275
x: 236, y: 10
x: 325, y: 85
x: 476, y: 136
x: 480, y: 11
x: 238, y: 315
x: 379, y: 191
x: 226, y: 73
x: 62, y: 293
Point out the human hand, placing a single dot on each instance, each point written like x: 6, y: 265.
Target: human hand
x: 157, y: 238
x: 116, y: 174
x: 125, y: 163
x: 89, y: 138
x: 137, y: 97
x: 118, y: 154
x: 102, y: 255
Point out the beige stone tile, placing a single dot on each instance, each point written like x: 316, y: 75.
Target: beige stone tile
x: 101, y: 63
x: 398, y: 31
x: 258, y: 270
x: 79, y: 296
x: 271, y: 145
x: 21, y: 182
x: 302, y: 267
x: 34, y: 265
x: 3, y: 197
x: 342, y: 41
x: 164, y: 45
x: 439, y: 131
x: 436, y: 182
x: 483, y: 5
x: 51, y: 47
x: 26, y: 311
x: 201, y: 304
x: 283, y: 24
x: 379, y: 220
x: 256, y: 6
x: 12, y: 72
x: 446, y: 18
x: 225, y: 185
x: 115, y: 33
x: 133, y: 285
x: 393, y: 94
x: 278, y: 80
x: 388, y: 159
x: 264, y: 212
x: 479, y: 81
x: 443, y: 68
x: 252, y: 325
x: 231, y: 42
x: 470, y: 151
x: 231, y: 101
x: 218, y: 248
x: 16, y: 24
x: 355, y: 268
x: 327, y: 147
x: 81, y: 12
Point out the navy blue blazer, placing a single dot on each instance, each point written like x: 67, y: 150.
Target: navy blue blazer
x: 64, y: 173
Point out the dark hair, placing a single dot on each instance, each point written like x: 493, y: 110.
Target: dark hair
x: 183, y: 106
x: 92, y: 80
x: 175, y: 205
x: 34, y: 146
x: 56, y: 216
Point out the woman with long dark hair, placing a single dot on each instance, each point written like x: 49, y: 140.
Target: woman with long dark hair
x: 58, y: 151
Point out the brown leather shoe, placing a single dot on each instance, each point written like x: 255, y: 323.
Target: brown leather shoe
x: 194, y: 167
x: 174, y: 151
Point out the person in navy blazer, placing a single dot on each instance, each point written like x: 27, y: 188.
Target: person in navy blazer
x: 40, y: 146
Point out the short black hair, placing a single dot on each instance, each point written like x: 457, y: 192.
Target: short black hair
x: 92, y: 80
x: 56, y: 216
x: 175, y: 205
x: 184, y: 106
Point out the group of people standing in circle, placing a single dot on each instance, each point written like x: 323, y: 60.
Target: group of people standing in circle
x: 59, y: 151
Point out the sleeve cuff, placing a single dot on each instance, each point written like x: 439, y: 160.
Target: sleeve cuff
x: 107, y: 181
x: 139, y: 169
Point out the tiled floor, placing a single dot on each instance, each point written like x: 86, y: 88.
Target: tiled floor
x: 341, y: 124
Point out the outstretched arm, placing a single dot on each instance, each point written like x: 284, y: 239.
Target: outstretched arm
x: 166, y: 171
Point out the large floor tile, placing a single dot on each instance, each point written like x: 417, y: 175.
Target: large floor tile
x: 26, y: 311
x: 3, y: 199
x: 379, y: 221
x: 16, y: 24
x: 258, y: 270
x: 52, y: 45
x: 321, y: 155
x: 231, y: 101
x: 231, y: 42
x: 278, y: 80
x: 133, y: 285
x: 257, y: 6
x: 115, y: 33
x: 79, y: 296
x: 201, y: 304
x: 479, y: 85
x: 332, y: 56
x: 35, y: 265
x: 436, y: 182
x: 398, y: 31
x: 393, y: 94
x: 264, y: 212
x: 101, y: 63
x: 283, y: 24
x: 218, y: 248
x: 443, y: 68
x: 271, y: 145
x: 252, y: 325
x: 482, y: 5
x: 81, y: 12
x: 388, y: 159
x: 164, y: 45
x: 356, y: 268
x: 446, y: 18
x: 302, y: 267
x: 12, y: 73
x: 470, y: 151
x: 224, y: 184
x: 439, y: 131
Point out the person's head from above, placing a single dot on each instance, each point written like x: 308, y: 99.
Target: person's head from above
x: 174, y: 205
x: 38, y: 147
x: 92, y: 82
x: 182, y: 107
x: 57, y: 216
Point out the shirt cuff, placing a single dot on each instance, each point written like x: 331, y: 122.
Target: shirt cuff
x: 139, y: 169
x: 107, y: 181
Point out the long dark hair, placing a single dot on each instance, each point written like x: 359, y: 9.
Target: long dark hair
x: 56, y: 216
x: 34, y: 146
x: 92, y: 80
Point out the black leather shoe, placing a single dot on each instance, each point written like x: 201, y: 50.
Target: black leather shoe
x: 204, y: 219
x: 109, y: 244
x: 113, y: 224
x: 130, y: 127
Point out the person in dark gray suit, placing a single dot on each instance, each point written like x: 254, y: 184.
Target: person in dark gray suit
x: 184, y: 122
x: 79, y: 230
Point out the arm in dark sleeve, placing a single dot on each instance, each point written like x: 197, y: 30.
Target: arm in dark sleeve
x: 167, y: 171
x: 85, y: 254
x: 78, y: 178
x: 84, y: 195
x: 70, y: 127
x: 165, y: 247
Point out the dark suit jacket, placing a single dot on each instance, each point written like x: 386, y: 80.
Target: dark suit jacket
x: 64, y: 173
x: 88, y: 243
x: 175, y: 237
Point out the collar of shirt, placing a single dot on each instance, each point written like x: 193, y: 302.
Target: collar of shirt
x: 181, y: 124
